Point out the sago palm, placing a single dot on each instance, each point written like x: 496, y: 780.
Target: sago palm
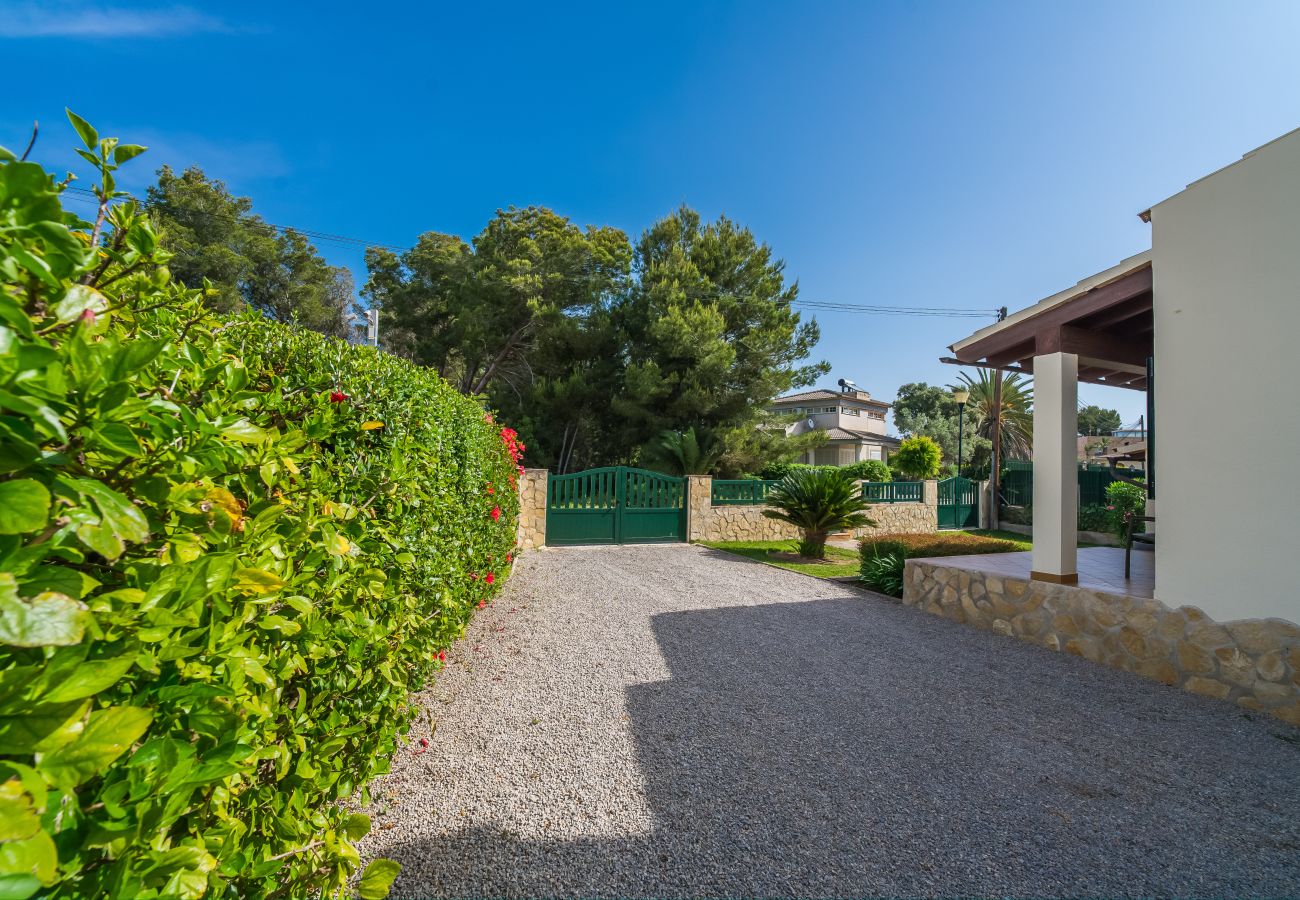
x: 1016, y: 416
x: 817, y: 501
x: 682, y: 452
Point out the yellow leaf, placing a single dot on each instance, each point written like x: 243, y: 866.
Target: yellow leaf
x: 257, y: 581
x: 339, y: 546
x: 371, y: 426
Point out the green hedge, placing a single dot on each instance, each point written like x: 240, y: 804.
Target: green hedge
x: 229, y: 552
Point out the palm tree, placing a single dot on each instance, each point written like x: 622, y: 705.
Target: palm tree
x: 818, y: 501
x: 1015, y: 418
x: 682, y: 452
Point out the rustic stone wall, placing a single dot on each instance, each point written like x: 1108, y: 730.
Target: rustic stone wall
x: 901, y: 518
x: 532, y: 509
x: 1255, y: 662
x: 747, y: 523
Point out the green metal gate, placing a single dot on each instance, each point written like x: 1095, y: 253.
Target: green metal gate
x: 615, y: 505
x: 959, y: 503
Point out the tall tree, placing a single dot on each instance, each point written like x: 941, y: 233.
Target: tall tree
x: 1095, y: 421
x: 215, y: 236
x: 708, y: 331
x: 474, y: 313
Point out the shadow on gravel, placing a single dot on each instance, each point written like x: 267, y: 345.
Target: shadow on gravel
x: 842, y: 747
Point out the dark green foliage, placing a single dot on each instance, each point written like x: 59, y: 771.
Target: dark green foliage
x: 217, y: 243
x: 229, y: 552
x: 884, y: 572
x: 681, y: 453
x: 778, y: 470
x: 1123, y: 498
x: 868, y: 470
x: 818, y: 501
x: 1093, y: 517
x: 917, y: 458
x: 1093, y: 420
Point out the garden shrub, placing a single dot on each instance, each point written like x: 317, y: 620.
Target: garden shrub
x: 917, y: 458
x: 868, y: 470
x: 778, y: 470
x: 229, y: 552
x: 1122, y: 498
x: 1094, y: 517
x: 883, y: 572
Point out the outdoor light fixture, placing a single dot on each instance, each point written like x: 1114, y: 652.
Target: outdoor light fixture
x: 960, y: 396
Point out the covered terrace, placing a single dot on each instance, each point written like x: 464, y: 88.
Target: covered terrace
x: 1100, y: 331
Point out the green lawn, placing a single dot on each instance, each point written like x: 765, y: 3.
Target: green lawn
x: 784, y: 555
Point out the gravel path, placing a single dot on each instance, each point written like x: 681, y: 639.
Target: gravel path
x: 673, y: 721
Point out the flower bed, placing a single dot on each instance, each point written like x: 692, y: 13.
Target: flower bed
x: 884, y: 557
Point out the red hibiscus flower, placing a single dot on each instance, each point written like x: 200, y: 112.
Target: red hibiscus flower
x: 490, y: 489
x: 489, y: 578
x: 482, y: 603
x: 508, y: 557
x: 495, y: 514
x: 337, y: 397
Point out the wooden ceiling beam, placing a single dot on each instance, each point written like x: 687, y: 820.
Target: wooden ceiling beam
x: 1094, y: 347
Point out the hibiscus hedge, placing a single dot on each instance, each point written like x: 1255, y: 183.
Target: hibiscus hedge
x: 229, y: 552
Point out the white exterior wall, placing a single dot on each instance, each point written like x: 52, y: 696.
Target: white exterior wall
x: 1227, y: 321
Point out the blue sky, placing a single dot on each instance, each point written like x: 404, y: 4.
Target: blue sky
x: 936, y: 154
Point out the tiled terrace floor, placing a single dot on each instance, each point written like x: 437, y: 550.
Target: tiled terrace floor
x: 1100, y: 569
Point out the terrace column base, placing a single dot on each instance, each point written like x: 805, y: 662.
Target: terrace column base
x: 1052, y: 578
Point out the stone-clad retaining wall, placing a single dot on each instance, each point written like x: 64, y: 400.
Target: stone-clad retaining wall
x: 532, y: 509
x: 1255, y: 662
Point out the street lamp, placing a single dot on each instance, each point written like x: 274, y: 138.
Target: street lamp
x: 960, y: 396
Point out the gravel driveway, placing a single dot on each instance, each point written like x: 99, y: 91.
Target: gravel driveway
x: 672, y: 721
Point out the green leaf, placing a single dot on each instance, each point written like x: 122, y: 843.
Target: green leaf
x: 377, y: 879
x: 91, y: 677
x: 89, y: 136
x: 47, y: 620
x: 77, y: 300
x: 41, y: 728
x: 24, y: 506
x: 125, y: 152
x: 20, y: 861
x: 245, y: 432
x: 356, y: 826
x: 108, y: 734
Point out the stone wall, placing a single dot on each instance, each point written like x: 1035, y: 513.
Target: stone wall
x: 1254, y: 662
x: 747, y: 522
x: 902, y: 518
x: 532, y: 509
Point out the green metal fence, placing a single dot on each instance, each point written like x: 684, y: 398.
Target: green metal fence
x: 893, y: 491
x: 740, y: 492
x: 1018, y: 483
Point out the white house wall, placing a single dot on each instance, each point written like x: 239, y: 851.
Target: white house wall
x: 1227, y: 321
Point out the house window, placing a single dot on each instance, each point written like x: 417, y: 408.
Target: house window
x: 872, y: 414
x: 827, y: 409
x: 850, y: 411
x: 873, y: 451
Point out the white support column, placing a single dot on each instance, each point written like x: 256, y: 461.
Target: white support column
x: 1056, y: 487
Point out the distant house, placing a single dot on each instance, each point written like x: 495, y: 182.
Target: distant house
x: 854, y: 424
x: 1120, y: 446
